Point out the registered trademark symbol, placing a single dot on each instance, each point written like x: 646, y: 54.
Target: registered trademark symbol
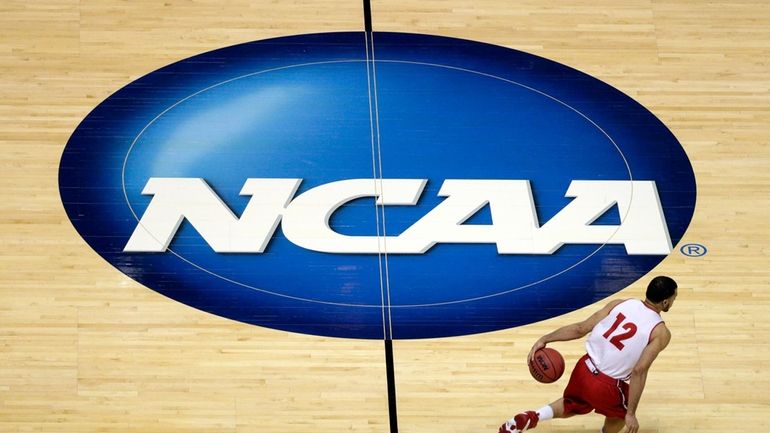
x: 693, y: 250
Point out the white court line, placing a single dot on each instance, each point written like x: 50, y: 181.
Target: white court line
x: 371, y: 82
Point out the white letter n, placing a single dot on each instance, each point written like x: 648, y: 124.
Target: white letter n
x: 175, y: 199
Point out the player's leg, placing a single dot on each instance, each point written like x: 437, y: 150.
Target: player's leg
x: 613, y: 425
x: 571, y: 404
x: 557, y: 409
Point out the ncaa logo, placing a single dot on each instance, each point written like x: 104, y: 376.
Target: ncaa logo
x: 436, y: 187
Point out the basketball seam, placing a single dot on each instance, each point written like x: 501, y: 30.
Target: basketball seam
x: 550, y: 362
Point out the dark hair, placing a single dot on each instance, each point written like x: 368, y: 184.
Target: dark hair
x: 661, y: 288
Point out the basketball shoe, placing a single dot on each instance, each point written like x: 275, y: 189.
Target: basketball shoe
x: 521, y: 422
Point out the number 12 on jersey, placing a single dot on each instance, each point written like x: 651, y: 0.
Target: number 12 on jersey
x: 618, y: 339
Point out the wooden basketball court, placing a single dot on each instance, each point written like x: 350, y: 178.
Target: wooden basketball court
x: 83, y: 348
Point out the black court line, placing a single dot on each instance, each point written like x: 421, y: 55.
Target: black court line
x: 367, y: 16
x: 387, y: 329
x: 390, y: 367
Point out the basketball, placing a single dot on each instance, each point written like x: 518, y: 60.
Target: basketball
x: 547, y: 366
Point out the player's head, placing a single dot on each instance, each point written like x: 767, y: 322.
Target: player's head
x: 662, y: 291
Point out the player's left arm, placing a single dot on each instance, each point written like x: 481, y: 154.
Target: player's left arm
x: 659, y: 339
x: 574, y: 330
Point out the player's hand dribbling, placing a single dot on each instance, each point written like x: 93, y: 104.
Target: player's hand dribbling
x: 537, y: 346
x: 632, y: 424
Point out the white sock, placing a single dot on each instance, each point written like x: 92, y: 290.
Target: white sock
x: 545, y: 413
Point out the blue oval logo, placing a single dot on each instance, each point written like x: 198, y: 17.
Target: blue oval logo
x: 430, y: 187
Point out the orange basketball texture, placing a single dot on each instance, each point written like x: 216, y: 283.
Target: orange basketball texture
x: 547, y: 366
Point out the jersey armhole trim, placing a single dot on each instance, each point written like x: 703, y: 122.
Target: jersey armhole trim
x: 649, y: 337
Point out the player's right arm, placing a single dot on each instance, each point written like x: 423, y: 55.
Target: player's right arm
x: 659, y: 339
x: 574, y: 330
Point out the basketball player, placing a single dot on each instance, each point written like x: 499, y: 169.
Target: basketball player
x: 626, y: 337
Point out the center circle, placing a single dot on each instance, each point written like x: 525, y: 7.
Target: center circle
x: 315, y: 111
x: 434, y: 122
